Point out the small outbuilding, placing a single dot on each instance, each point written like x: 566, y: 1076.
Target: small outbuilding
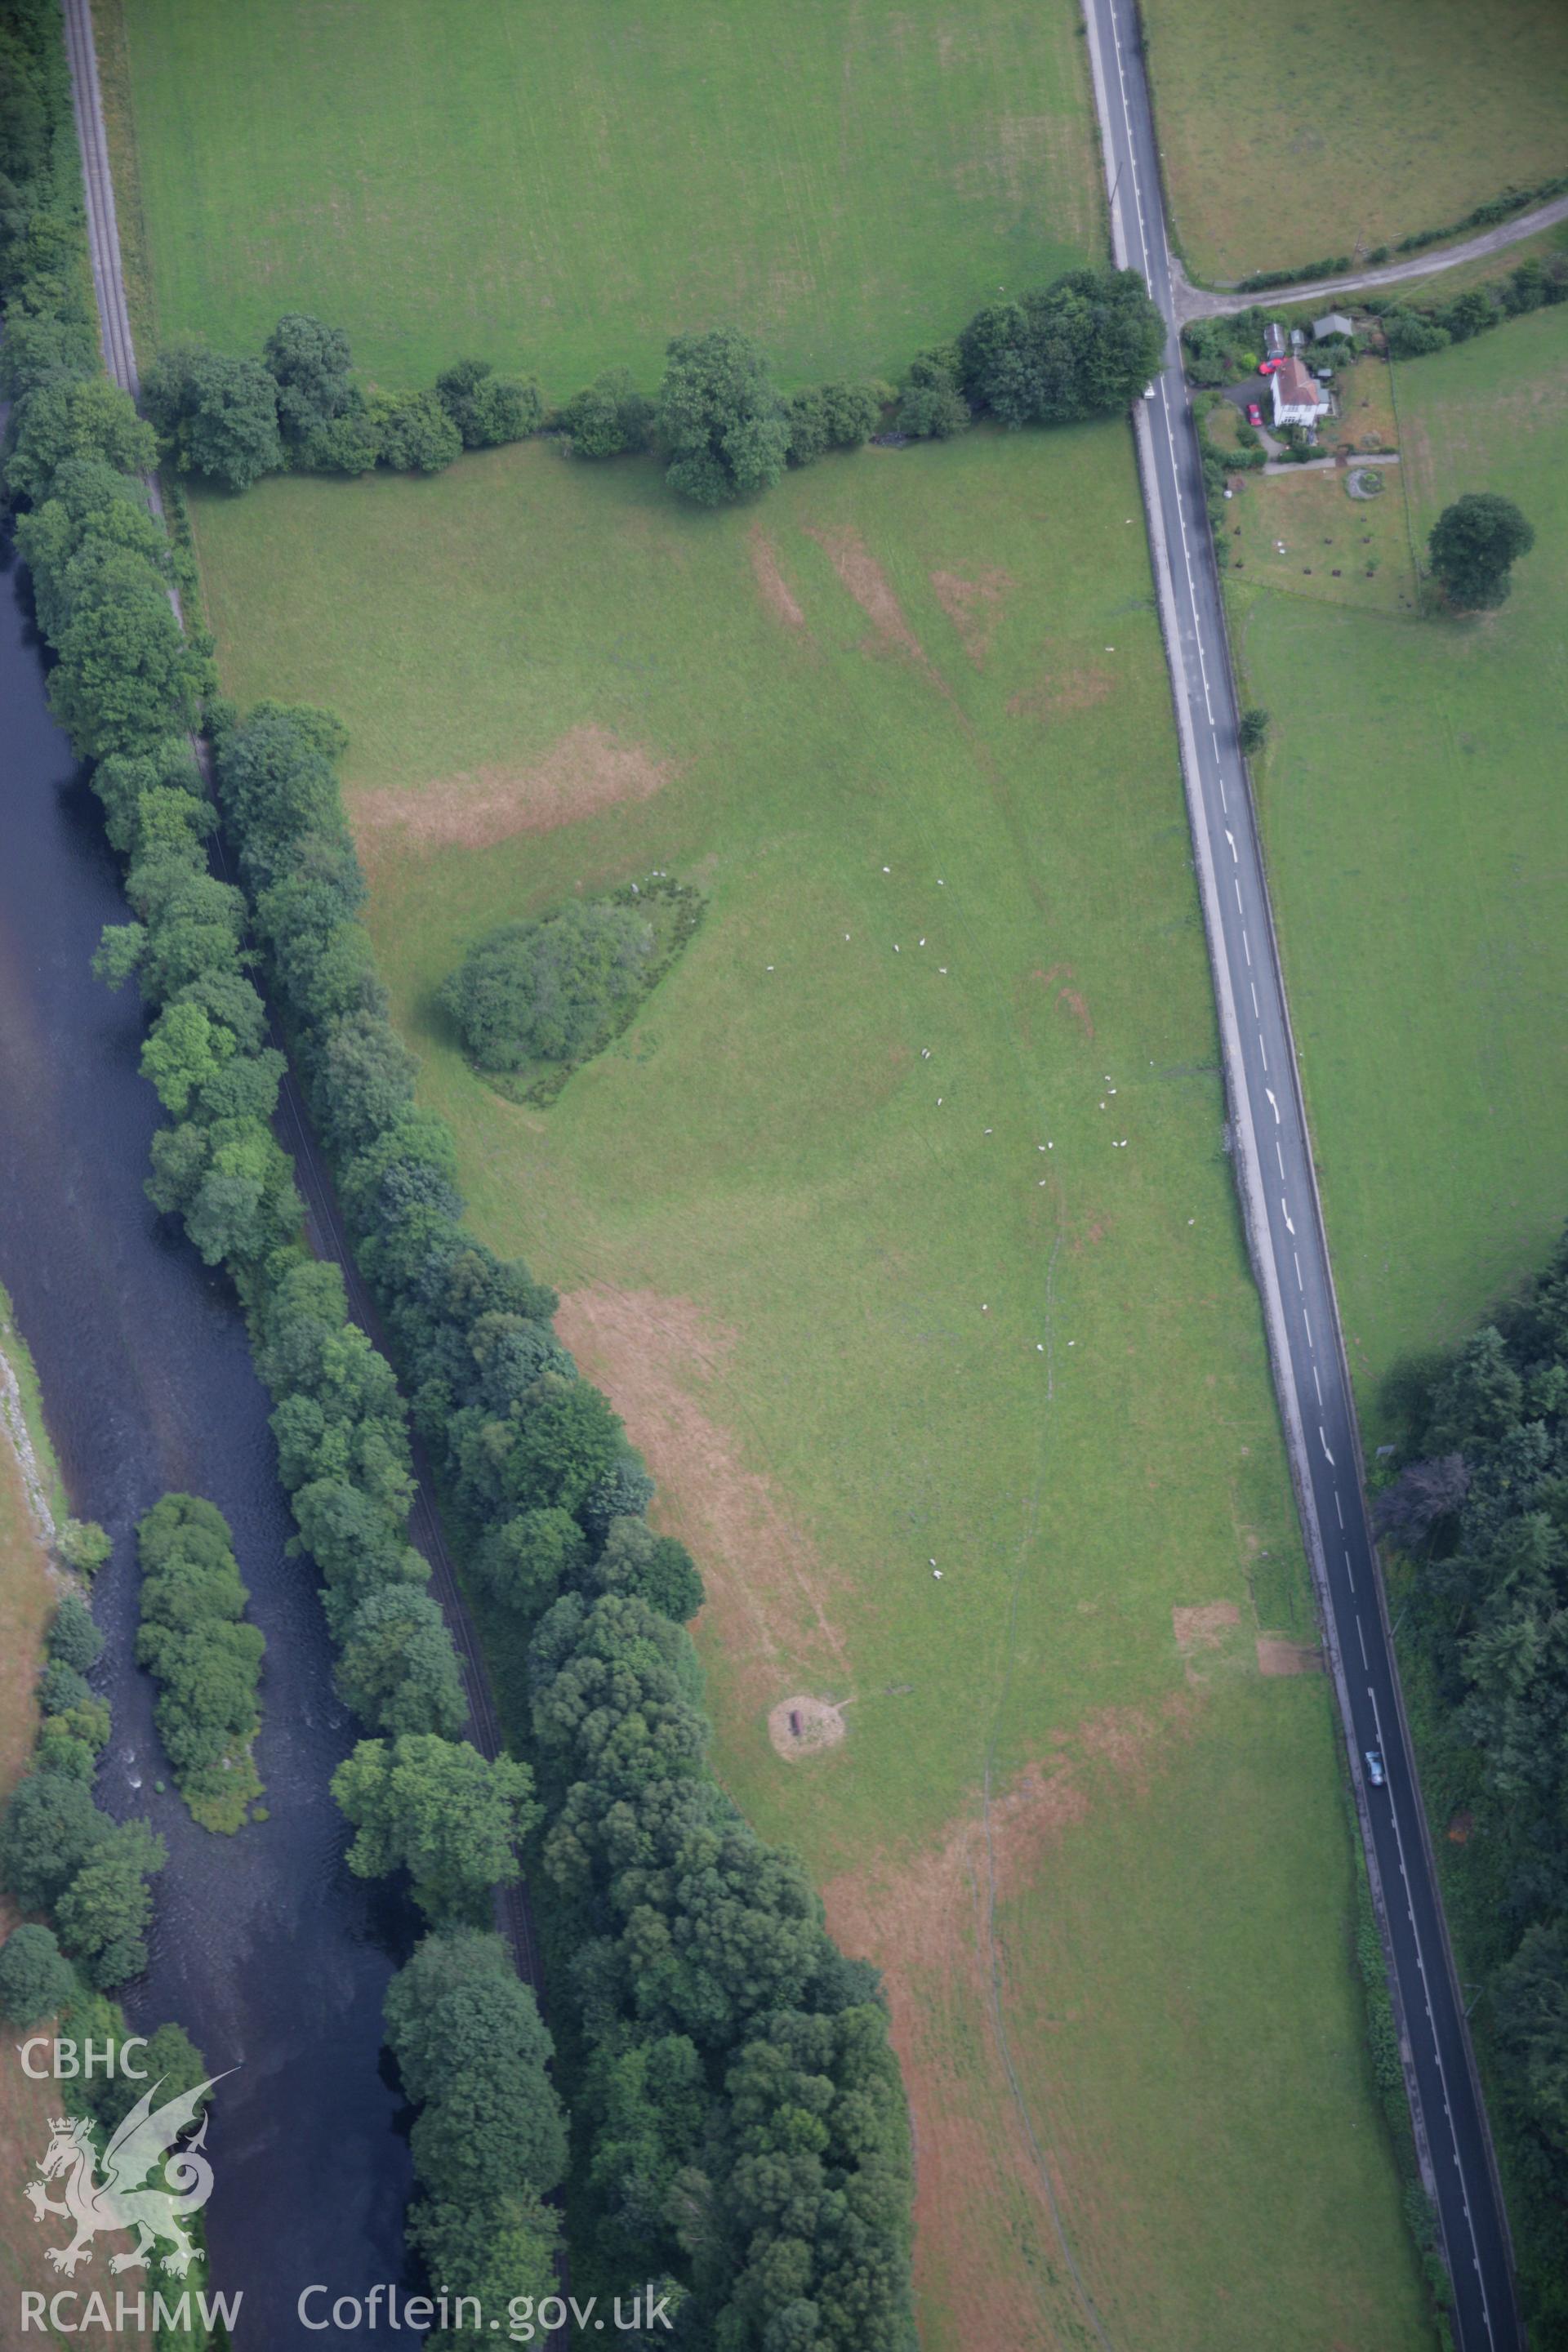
x: 1273, y: 340
x: 1336, y: 324
x: 1298, y: 398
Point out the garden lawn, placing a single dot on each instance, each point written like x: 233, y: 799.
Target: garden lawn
x: 844, y: 1224
x: 1302, y: 533
x: 576, y: 185
x: 1290, y: 137
x: 1417, y: 835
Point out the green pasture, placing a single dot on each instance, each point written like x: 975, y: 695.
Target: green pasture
x: 1417, y: 835
x: 1289, y: 138
x: 562, y: 189
x: 906, y: 723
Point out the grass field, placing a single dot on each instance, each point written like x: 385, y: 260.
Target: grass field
x: 847, y: 182
x: 1418, y: 841
x: 1288, y: 137
x: 860, y: 1317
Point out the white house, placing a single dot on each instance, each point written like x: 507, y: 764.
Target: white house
x: 1298, y: 398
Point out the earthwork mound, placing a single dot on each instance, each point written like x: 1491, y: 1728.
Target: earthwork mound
x: 805, y: 1726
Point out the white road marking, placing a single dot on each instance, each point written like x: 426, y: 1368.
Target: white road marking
x: 1349, y: 1569
x: 1338, y: 1512
x: 1238, y: 897
x: 1272, y: 1104
x: 1311, y: 1342
x: 1361, y: 1637
x: 1324, y: 1443
x: 1231, y: 838
x: 1244, y: 942
x: 1285, y: 1212
x: 1317, y: 1384
x: 1296, y: 1260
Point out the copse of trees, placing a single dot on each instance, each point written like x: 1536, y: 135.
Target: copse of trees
x: 1084, y: 345
x: 214, y: 415
x: 547, y: 989
x: 204, y: 1657
x: 1479, y: 1506
x: 1473, y: 547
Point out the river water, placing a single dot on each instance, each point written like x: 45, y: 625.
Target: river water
x: 264, y: 1947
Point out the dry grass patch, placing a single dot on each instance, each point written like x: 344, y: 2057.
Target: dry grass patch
x: 766, y: 1588
x: 863, y: 577
x: 589, y: 768
x: 1205, y: 1626
x: 1278, y: 1655
x: 973, y: 606
x: 771, y: 583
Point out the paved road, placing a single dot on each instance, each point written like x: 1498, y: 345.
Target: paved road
x: 324, y: 1227
x: 1192, y: 301
x: 1278, y: 1192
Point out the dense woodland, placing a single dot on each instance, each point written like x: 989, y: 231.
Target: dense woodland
x: 1481, y: 1509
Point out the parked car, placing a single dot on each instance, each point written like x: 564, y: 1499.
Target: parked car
x: 1269, y: 367
x: 1374, y: 1771
x: 1254, y: 413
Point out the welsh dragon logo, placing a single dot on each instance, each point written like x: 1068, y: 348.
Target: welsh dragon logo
x: 143, y: 2143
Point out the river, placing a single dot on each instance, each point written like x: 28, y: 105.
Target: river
x: 264, y: 1947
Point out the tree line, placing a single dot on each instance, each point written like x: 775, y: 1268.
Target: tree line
x: 1080, y: 346
x: 1478, y: 1507
x: 740, y: 2120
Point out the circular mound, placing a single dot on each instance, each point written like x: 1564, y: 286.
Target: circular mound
x: 805, y: 1726
x: 1364, y: 482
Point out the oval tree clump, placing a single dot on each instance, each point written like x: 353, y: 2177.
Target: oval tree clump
x: 547, y: 992
x: 206, y: 1659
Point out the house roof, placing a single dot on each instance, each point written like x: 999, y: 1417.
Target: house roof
x: 1297, y: 387
x: 1336, y: 324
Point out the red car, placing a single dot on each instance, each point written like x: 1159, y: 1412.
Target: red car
x: 1254, y: 413
x: 1269, y: 367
